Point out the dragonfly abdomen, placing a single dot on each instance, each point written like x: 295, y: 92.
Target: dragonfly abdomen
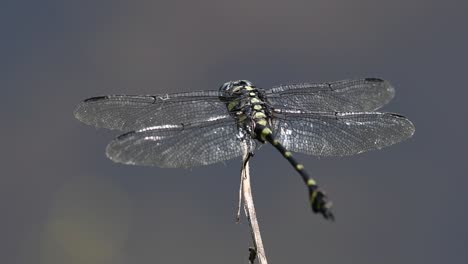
x: 318, y: 200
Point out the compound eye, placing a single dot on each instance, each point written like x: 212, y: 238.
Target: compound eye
x: 226, y: 86
x: 247, y: 83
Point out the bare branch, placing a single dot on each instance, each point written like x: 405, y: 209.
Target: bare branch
x: 249, y: 209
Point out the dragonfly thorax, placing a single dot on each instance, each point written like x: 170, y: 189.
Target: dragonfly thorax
x: 247, y: 105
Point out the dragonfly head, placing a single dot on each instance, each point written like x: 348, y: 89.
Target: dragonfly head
x: 232, y: 86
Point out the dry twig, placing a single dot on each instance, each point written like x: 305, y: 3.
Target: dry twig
x: 245, y: 195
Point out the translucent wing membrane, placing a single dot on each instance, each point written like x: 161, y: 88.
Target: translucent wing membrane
x: 178, y: 146
x: 339, y: 134
x: 126, y: 113
x: 342, y: 96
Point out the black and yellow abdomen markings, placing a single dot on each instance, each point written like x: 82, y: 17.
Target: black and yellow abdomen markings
x: 262, y: 122
x: 259, y: 115
x: 264, y: 133
x: 311, y: 182
x: 318, y: 200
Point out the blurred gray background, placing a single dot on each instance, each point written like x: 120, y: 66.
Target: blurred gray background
x: 63, y: 201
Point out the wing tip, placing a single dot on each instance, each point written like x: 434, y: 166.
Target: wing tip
x: 407, y: 125
x: 387, y: 91
x: 80, y: 110
x: 87, y: 113
x: 113, y: 153
x: 410, y: 128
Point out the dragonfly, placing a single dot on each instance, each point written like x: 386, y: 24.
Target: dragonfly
x: 184, y: 130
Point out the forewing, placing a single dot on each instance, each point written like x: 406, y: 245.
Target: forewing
x: 339, y: 134
x: 178, y: 146
x: 362, y: 95
x: 127, y: 113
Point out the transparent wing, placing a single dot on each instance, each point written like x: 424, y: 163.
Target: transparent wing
x: 339, y: 134
x: 126, y: 112
x: 362, y: 95
x: 178, y: 146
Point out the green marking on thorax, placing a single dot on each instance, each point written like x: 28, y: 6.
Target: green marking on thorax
x: 242, y: 118
x: 287, y: 154
x: 299, y: 167
x: 232, y: 104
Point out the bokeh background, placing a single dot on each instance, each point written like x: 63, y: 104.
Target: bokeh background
x: 62, y: 201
